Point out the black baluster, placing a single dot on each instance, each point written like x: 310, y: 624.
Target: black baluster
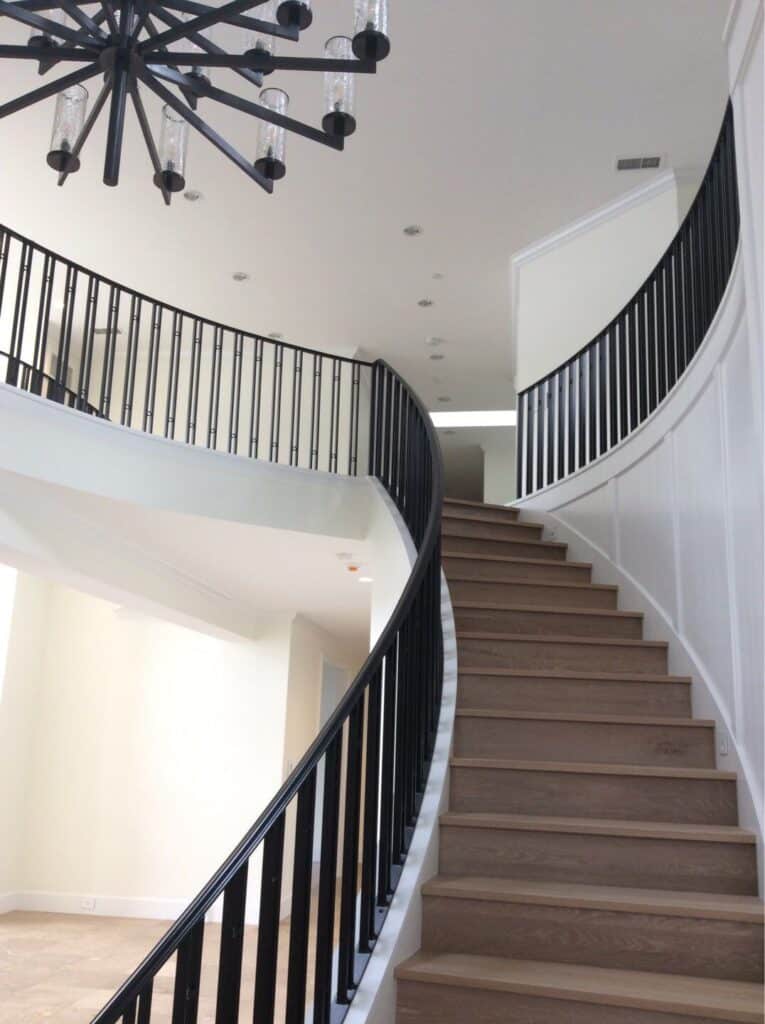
x: 301, y: 902
x: 520, y: 451
x: 661, y: 333
x: 19, y: 314
x: 192, y: 406
x: 634, y: 374
x: 231, y: 948
x: 131, y: 358
x: 385, y: 860
x: 603, y: 391
x: 57, y: 390
x: 582, y: 418
x: 188, y: 967
x: 367, y: 923
x: 592, y: 404
x: 144, y: 1003
x: 297, y: 405
x: 107, y: 372
x: 152, y: 367
x: 276, y: 402
x: 346, y: 949
x: 215, y: 375
x: 550, y: 438
x: 315, y: 412
x: 43, y: 324
x: 88, y: 343
x: 268, y: 922
x: 325, y: 919
x: 651, y: 343
x: 236, y: 392
x: 257, y: 392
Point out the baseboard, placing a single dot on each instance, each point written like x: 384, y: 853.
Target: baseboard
x: 7, y: 902
x: 97, y: 906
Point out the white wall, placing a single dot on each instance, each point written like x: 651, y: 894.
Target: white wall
x: 499, y: 482
x: 567, y: 287
x: 675, y: 516
x: 140, y: 731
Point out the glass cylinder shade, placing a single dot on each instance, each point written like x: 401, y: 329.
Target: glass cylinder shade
x: 272, y: 141
x: 371, y: 40
x: 259, y: 40
x: 173, y: 147
x: 339, y: 90
x: 68, y: 120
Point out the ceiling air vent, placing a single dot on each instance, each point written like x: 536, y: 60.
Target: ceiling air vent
x: 638, y: 163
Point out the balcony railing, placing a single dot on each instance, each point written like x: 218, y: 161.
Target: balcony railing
x: 596, y: 399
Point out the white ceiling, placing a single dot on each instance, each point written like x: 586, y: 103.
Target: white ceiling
x: 490, y: 125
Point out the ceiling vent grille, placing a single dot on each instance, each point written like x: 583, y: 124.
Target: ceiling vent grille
x: 638, y: 163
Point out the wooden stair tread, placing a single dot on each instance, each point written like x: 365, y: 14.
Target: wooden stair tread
x: 587, y: 768
x: 559, y: 673
x: 686, y: 996
x: 545, y: 609
x: 508, y: 540
x: 552, y: 584
x: 510, y: 559
x: 558, y: 639
x: 495, y: 518
x: 714, y: 906
x: 586, y: 717
x: 480, y: 504
x: 600, y: 827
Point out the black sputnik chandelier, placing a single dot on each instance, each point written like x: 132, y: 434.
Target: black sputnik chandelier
x: 168, y: 47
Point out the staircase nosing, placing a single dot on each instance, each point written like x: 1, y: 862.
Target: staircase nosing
x: 556, y: 638
x: 525, y: 582
x: 509, y: 558
x: 586, y: 718
x: 593, y: 768
x: 569, y: 676
x: 501, y: 540
x: 708, y: 906
x: 610, y: 613
x: 678, y: 832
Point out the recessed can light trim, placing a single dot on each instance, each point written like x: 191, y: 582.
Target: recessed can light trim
x: 425, y: 303
x: 240, y: 275
x: 193, y: 195
x: 413, y: 230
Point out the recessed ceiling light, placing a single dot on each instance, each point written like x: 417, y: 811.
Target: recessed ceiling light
x: 444, y: 398
x: 365, y: 579
x: 240, y: 275
x: 193, y: 195
x: 438, y: 277
x: 413, y: 230
x: 435, y: 342
x: 436, y: 357
x: 425, y: 303
x: 490, y: 418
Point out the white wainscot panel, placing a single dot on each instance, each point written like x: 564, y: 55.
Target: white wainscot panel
x: 745, y: 518
x: 644, y: 517
x: 592, y: 516
x: 703, y: 562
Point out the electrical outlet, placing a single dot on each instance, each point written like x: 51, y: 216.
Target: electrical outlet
x: 88, y: 903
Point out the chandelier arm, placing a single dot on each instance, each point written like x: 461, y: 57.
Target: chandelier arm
x: 141, y: 21
x: 108, y: 11
x: 230, y: 99
x: 204, y: 129
x: 188, y: 93
x: 288, y: 32
x: 148, y: 138
x: 29, y: 98
x: 82, y: 19
x: 45, y: 25
x: 92, y: 117
x: 235, y: 61
x: 65, y: 53
x: 253, y: 77
x: 213, y: 17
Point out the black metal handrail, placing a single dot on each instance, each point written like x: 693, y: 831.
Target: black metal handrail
x: 599, y: 396
x: 93, y: 344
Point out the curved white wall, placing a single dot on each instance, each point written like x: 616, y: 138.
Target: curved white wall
x: 675, y: 515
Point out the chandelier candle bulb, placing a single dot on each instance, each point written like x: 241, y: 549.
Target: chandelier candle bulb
x: 68, y: 119
x: 295, y: 13
x: 173, y: 147
x: 339, y: 90
x: 272, y: 142
x: 371, y: 40
x: 258, y: 40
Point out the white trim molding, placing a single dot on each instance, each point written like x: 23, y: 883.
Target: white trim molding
x: 741, y: 30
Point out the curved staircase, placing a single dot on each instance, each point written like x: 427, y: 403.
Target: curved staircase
x: 592, y: 870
